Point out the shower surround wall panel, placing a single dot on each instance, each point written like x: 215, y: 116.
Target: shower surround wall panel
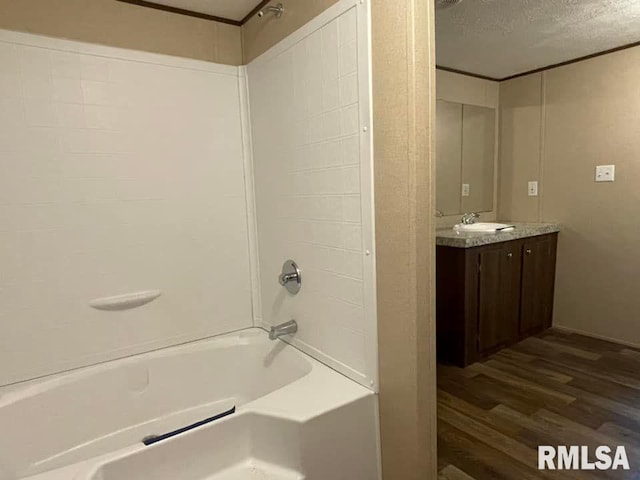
x: 310, y: 114
x: 120, y: 171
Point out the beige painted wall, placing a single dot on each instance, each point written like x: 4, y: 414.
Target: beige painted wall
x: 404, y: 114
x: 589, y: 113
x: 260, y: 34
x: 520, y: 147
x: 454, y: 87
x: 118, y: 24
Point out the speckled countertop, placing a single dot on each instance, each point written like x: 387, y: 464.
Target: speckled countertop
x: 447, y: 237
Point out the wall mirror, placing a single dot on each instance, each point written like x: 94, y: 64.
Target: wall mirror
x: 465, y: 158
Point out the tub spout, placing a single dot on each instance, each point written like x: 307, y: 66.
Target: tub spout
x: 283, y: 329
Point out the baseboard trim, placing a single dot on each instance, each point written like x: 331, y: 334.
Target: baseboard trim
x: 595, y: 335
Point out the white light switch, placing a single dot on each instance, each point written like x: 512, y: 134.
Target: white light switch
x: 532, y: 189
x: 465, y: 189
x: 605, y: 173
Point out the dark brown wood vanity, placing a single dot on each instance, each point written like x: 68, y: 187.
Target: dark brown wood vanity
x: 493, y: 291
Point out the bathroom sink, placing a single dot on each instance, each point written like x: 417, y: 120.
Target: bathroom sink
x: 484, y: 227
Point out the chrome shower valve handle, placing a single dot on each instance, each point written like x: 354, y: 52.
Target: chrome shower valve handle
x: 290, y: 278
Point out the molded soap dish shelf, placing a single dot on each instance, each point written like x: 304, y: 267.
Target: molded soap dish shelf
x: 126, y: 301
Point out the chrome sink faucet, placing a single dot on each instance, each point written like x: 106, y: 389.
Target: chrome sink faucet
x: 286, y: 328
x: 469, y: 218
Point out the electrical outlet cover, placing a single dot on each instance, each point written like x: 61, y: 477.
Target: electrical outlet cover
x: 605, y: 173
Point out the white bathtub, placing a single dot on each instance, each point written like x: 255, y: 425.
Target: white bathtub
x: 295, y: 418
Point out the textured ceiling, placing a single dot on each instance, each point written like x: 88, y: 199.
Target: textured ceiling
x: 500, y: 38
x: 231, y: 9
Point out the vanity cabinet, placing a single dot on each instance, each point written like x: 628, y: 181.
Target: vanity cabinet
x: 498, y: 295
x: 538, y: 275
x: 491, y: 296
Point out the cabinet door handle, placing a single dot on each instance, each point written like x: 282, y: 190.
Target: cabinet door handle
x: 528, y: 251
x: 509, y: 254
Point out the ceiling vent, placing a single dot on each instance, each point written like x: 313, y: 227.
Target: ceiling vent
x: 442, y: 4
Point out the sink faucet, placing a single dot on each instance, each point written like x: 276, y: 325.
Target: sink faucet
x: 283, y: 329
x: 469, y: 218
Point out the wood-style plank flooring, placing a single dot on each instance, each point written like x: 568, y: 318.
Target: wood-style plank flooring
x: 556, y: 388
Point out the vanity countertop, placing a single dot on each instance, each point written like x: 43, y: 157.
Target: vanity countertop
x: 447, y: 237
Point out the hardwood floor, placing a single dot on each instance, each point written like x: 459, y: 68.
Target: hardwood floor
x: 553, y: 389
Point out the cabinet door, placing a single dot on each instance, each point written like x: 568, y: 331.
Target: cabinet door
x: 538, y: 272
x: 499, y: 295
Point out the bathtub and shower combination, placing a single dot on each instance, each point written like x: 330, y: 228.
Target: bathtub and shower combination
x: 235, y: 404
x: 293, y: 418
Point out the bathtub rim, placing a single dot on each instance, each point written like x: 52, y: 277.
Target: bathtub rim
x: 15, y: 392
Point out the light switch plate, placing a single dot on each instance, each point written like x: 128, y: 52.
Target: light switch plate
x: 465, y: 189
x: 605, y: 173
x: 532, y: 189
